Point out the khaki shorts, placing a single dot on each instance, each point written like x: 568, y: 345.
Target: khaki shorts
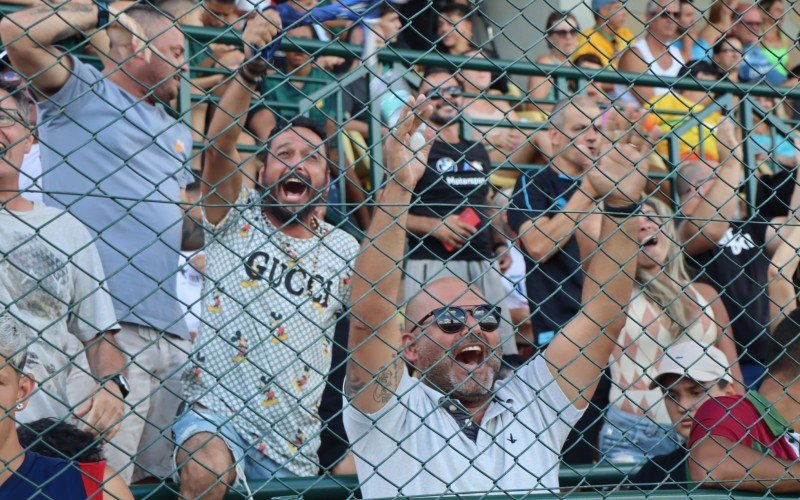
x: 143, y: 446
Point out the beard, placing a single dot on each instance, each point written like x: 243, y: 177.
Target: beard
x: 292, y: 214
x: 443, y: 119
x: 438, y: 371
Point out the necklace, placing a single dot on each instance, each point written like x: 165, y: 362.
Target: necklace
x: 282, y: 242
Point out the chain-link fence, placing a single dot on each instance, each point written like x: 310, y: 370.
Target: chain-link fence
x: 398, y: 248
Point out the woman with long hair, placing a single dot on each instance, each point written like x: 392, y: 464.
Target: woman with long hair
x: 562, y: 39
x: 666, y: 308
x: 720, y: 20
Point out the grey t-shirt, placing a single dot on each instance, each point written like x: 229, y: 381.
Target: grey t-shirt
x: 52, y: 280
x: 117, y: 164
x: 414, y: 446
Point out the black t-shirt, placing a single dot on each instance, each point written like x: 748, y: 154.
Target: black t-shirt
x: 457, y: 177
x: 664, y: 472
x: 553, y: 287
x: 738, y: 269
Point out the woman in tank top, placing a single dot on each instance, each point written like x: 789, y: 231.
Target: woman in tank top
x: 28, y: 475
x: 665, y: 308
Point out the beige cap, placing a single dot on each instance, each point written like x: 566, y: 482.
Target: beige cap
x: 689, y: 359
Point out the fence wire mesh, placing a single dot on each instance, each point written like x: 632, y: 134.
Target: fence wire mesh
x: 365, y: 248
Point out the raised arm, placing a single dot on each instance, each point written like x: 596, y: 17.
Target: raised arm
x: 543, y: 236
x: 579, y: 353
x: 222, y: 176
x: 30, y: 36
x: 709, y: 212
x: 375, y: 367
x: 784, y: 262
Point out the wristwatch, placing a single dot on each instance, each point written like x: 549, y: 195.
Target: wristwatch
x: 103, y: 13
x: 121, y: 382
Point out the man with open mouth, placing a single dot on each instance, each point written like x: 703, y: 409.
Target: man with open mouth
x: 456, y: 428
x: 276, y: 278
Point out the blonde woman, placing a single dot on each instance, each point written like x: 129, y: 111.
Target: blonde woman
x: 666, y: 309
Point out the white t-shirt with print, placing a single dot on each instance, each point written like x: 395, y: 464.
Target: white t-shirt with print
x: 264, y: 345
x: 413, y: 446
x: 52, y: 279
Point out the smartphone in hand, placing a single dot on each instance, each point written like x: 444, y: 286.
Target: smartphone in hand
x: 471, y: 217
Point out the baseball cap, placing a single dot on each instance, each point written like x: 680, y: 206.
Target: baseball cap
x: 599, y: 4
x: 689, y: 359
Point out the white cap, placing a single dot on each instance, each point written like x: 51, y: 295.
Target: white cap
x: 689, y: 359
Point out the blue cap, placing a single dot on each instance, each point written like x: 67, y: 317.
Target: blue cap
x: 598, y: 4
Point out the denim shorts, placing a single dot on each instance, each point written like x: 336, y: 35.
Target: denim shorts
x: 251, y: 464
x: 628, y: 438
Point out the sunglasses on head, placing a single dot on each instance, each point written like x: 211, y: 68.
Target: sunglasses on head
x: 453, y: 319
x: 438, y: 93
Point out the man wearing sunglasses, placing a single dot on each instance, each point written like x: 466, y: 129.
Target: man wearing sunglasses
x: 749, y: 27
x: 451, y: 232
x: 655, y: 53
x: 457, y: 429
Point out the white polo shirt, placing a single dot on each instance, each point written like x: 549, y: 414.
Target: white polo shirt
x: 416, y: 446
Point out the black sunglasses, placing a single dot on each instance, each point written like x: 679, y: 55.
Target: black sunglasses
x: 438, y: 93
x: 572, y: 32
x: 453, y: 319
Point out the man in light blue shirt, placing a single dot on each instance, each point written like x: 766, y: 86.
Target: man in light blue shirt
x: 748, y: 27
x: 115, y: 158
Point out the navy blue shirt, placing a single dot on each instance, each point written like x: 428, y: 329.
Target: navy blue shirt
x: 553, y: 287
x: 45, y: 478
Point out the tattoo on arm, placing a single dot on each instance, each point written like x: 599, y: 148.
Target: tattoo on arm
x: 354, y: 383
x: 387, y: 381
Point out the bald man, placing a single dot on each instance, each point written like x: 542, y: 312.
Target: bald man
x: 455, y: 429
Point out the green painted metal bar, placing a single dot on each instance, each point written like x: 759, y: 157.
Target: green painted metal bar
x: 748, y: 150
x: 411, y: 58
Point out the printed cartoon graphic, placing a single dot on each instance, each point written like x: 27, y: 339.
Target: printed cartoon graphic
x: 293, y: 255
x: 301, y: 382
x: 215, y: 307
x: 326, y: 347
x: 250, y: 283
x: 197, y: 371
x: 245, y: 230
x: 278, y: 331
x: 269, y: 395
x: 298, y: 441
x: 241, y: 343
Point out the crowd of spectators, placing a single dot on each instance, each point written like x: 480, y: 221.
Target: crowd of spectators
x: 522, y: 296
